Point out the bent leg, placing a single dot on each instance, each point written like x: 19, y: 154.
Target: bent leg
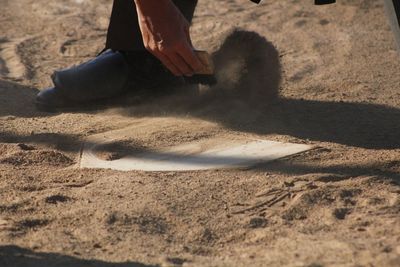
x: 124, y: 32
x: 113, y: 73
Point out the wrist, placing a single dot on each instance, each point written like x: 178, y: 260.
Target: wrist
x: 144, y: 5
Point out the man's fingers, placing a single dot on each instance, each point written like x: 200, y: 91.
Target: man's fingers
x: 179, y: 59
x: 174, y: 63
x: 167, y: 63
x: 188, y: 55
x: 180, y: 63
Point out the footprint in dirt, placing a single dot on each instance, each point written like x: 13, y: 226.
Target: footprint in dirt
x: 23, y: 226
x: 11, y: 65
x: 146, y: 223
x: 58, y: 198
x: 78, y: 48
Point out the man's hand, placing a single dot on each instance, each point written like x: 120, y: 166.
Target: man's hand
x: 165, y: 34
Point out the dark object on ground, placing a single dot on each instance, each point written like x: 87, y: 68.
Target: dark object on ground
x: 105, y: 76
x: 324, y: 2
x: 108, y: 76
x: 207, y: 74
x: 206, y: 79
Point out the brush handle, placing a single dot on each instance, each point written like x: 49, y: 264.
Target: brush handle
x: 324, y: 2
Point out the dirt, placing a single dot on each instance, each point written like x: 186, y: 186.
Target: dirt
x: 294, y: 72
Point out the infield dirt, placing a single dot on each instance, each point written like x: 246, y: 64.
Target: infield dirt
x: 321, y: 75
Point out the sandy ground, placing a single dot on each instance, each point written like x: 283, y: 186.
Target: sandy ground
x: 327, y: 76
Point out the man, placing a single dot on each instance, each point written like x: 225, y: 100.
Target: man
x: 148, y: 46
x: 160, y: 26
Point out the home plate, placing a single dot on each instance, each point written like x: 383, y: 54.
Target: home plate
x: 211, y: 153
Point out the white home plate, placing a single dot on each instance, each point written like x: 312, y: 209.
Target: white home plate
x: 212, y: 153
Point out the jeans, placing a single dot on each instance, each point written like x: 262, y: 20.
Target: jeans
x: 124, y: 32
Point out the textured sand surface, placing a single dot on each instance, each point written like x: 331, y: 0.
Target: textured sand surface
x: 326, y: 76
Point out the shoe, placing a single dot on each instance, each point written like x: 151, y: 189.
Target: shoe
x: 102, y: 77
x: 109, y: 75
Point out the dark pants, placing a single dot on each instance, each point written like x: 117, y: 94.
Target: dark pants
x: 124, y: 32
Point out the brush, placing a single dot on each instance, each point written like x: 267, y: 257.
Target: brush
x: 206, y: 75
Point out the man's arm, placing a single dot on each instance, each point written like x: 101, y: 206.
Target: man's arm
x: 165, y: 34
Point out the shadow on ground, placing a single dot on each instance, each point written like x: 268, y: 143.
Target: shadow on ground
x: 246, y: 99
x: 389, y: 170
x: 64, y: 142
x: 14, y: 256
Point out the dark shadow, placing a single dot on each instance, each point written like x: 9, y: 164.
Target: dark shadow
x: 246, y: 99
x: 14, y: 256
x: 352, y: 124
x: 388, y: 170
x: 64, y: 142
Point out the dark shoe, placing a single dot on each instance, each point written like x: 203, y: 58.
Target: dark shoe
x: 108, y: 76
x: 103, y: 77
x: 51, y: 99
